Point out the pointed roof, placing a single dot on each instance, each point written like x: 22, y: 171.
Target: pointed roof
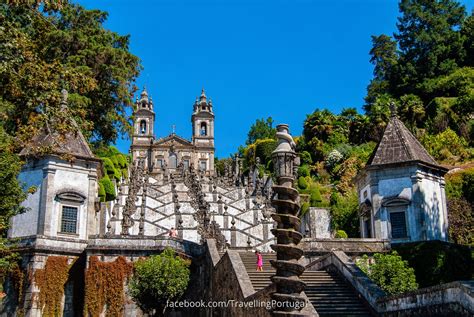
x: 73, y: 143
x: 399, y: 145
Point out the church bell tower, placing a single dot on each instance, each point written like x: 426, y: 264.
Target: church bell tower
x: 203, y: 132
x: 144, y: 118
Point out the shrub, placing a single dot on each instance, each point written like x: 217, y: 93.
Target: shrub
x: 446, y: 145
x: 344, y: 212
x: 109, y: 167
x: 333, y: 158
x: 109, y: 188
x: 264, y: 149
x: 303, y: 170
x: 305, y: 158
x: 315, y: 196
x: 437, y: 262
x: 101, y: 192
x: 460, y: 221
x: 304, y: 209
x: 157, y: 279
x: 302, y: 183
x: 390, y: 272
x: 340, y: 234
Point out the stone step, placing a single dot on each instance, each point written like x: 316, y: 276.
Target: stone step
x: 329, y: 293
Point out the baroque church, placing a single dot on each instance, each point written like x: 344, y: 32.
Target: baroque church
x: 166, y: 154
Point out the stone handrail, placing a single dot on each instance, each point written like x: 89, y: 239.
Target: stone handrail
x: 231, y: 281
x: 353, y: 274
x: 349, y: 246
x: 458, y: 294
x: 440, y: 299
x: 145, y: 243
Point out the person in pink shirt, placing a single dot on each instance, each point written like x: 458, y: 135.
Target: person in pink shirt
x: 259, y: 261
x: 173, y: 233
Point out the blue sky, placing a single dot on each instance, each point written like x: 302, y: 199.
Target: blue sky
x: 254, y: 58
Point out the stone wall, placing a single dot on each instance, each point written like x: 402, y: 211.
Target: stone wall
x: 314, y: 247
x: 451, y: 299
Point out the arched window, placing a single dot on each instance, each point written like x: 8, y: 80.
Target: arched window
x: 203, y: 130
x: 173, y: 159
x: 143, y: 127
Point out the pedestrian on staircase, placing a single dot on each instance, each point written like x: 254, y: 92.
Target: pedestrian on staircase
x: 259, y: 261
x: 173, y: 233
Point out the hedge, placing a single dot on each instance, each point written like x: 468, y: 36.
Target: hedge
x: 437, y: 262
x: 109, y: 188
x: 302, y: 183
x: 315, y: 196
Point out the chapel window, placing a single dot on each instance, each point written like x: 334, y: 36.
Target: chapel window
x: 69, y: 219
x: 398, y: 225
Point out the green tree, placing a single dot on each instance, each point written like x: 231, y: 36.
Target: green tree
x: 344, y: 213
x: 157, y: 279
x: 11, y: 195
x: 11, y: 192
x: 45, y: 49
x: 426, y: 68
x: 384, y: 57
x: 261, y: 129
x: 429, y: 40
x: 390, y: 272
x: 461, y: 221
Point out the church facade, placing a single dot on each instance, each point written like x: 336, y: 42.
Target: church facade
x: 165, y: 155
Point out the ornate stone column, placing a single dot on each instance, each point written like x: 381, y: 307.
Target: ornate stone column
x: 286, y: 202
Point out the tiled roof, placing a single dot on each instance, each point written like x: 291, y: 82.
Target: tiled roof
x: 399, y: 145
x: 72, y: 144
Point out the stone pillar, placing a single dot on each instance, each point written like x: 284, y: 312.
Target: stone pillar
x: 444, y: 212
x: 93, y: 219
x: 417, y: 230
x: 233, y: 234
x: 265, y: 231
x: 286, y: 280
x: 219, y: 205
x: 226, y: 217
x: 255, y: 214
x: 46, y: 204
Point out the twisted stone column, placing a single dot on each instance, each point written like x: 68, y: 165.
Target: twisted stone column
x: 286, y: 203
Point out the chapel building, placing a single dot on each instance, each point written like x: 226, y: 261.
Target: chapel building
x: 401, y: 190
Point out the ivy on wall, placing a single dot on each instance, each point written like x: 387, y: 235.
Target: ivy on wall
x: 104, y: 283
x: 51, y: 281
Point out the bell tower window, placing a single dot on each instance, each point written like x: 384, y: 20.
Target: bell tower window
x: 203, y: 130
x: 143, y: 127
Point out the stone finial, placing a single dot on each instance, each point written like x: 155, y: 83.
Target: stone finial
x: 203, y: 97
x: 64, y: 97
x: 393, y: 109
x: 144, y: 94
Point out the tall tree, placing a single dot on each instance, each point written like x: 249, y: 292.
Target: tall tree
x: 261, y: 129
x: 429, y: 41
x: 47, y: 49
